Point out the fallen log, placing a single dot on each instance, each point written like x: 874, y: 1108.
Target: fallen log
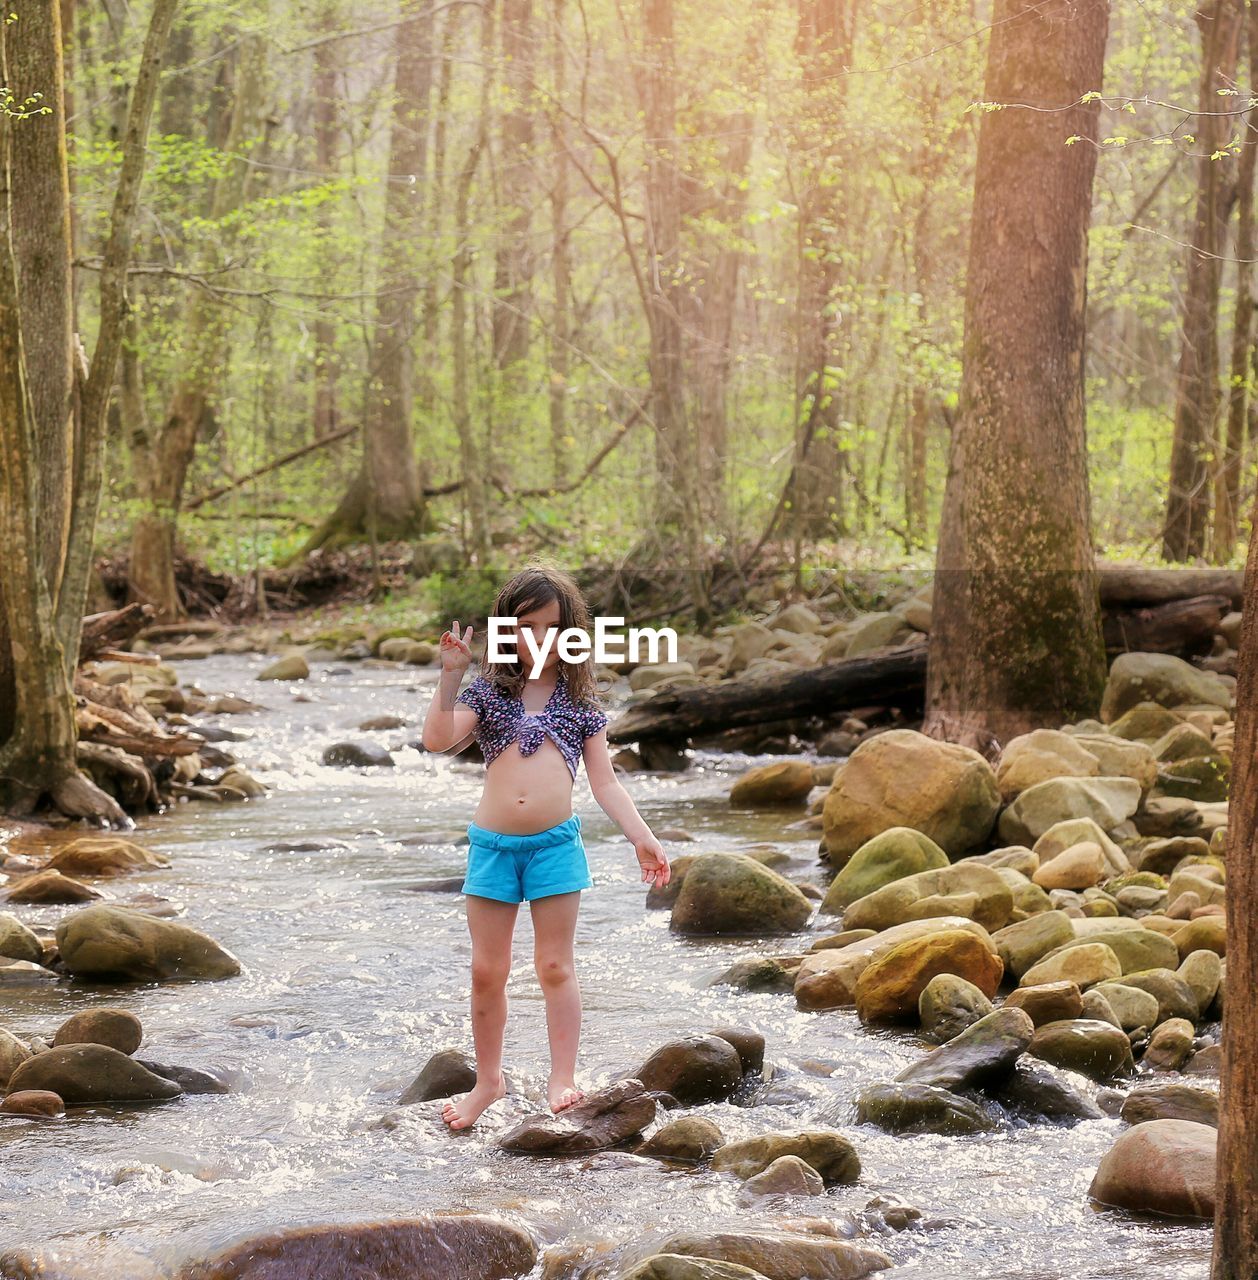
x: 1183, y: 627
x: 1131, y: 585
x: 113, y: 629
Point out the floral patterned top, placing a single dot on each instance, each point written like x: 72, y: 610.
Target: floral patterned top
x: 502, y: 719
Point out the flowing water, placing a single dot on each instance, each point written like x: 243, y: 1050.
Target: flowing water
x: 351, y: 980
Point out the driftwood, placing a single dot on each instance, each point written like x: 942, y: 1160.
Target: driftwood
x: 1184, y: 627
x: 112, y: 630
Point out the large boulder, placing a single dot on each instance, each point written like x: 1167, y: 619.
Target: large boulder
x: 108, y: 942
x: 1107, y: 801
x: 831, y: 1154
x: 892, y: 855
x: 1169, y: 1101
x: 17, y: 942
x: 1083, y: 962
x: 1136, y: 948
x: 1175, y: 997
x: 785, y: 782
x: 961, y: 889
x: 13, y: 1052
x: 118, y: 1028
x: 733, y: 893
x: 919, y: 1108
x: 1164, y: 1166
x: 104, y: 856
x: 1039, y: 755
x: 780, y: 1255
x: 948, y: 1004
x: 598, y: 1121
x: 902, y: 778
x: 695, y: 1069
x: 692, y: 1138
x: 1094, y: 1049
x: 983, y: 1054
x: 1162, y: 678
x: 1071, y: 832
x: 83, y: 1074
x: 1025, y: 942
x: 890, y: 987
x: 1119, y: 758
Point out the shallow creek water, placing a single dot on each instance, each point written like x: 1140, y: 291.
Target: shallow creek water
x: 350, y: 982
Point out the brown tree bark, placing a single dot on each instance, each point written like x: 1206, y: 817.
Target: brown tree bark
x: 1016, y: 632
x: 325, y: 414
x: 560, y: 264
x: 1236, y: 1201
x: 1197, y: 376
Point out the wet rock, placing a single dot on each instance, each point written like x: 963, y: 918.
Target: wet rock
x: 780, y: 1255
x: 17, y: 942
x: 902, y: 778
x: 844, y: 938
x: 13, y: 1052
x: 1095, y: 1006
x: 98, y: 1260
x: 1033, y: 1090
x: 1071, y: 832
x: 676, y: 1266
x: 890, y: 987
x: 756, y: 973
x: 1083, y: 964
x: 602, y: 1120
x: 961, y: 889
x: 307, y: 846
x: 1136, y: 948
x: 1203, y: 972
x: 114, y: 942
x: 33, y: 1102
x: 981, y: 1055
x: 1205, y: 933
x: 377, y: 723
x: 892, y: 855
x: 103, y: 856
x: 191, y: 1080
x: 83, y: 1074
x: 1047, y: 1002
x: 1039, y: 755
x: 1170, y: 1045
x: 732, y: 893
x: 1025, y: 942
x: 948, y: 1004
x: 117, y: 1028
x: 695, y: 1069
x: 1094, y: 1049
x: 235, y: 784
x: 1161, y: 678
x: 1107, y: 801
x: 292, y: 666
x: 1144, y: 722
x: 1171, y: 1102
x: 473, y: 1246
x: 1206, y: 1062
x: 21, y: 973
x: 786, y: 1176
x: 50, y: 887
x: 447, y: 1072
x: 357, y: 755
x: 1174, y: 996
x: 1131, y: 1007
x: 919, y: 1108
x: 691, y: 1138
x: 1162, y: 856
x: 785, y: 782
x: 831, y: 1154
x: 748, y: 1043
x: 1162, y: 1166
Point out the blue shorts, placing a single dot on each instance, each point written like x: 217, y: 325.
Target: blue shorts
x: 511, y: 868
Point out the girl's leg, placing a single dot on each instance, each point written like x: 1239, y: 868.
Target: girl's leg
x: 554, y: 926
x: 492, y: 925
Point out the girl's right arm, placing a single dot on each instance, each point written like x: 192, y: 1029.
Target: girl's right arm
x: 450, y: 723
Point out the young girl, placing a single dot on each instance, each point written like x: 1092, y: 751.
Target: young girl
x: 525, y: 841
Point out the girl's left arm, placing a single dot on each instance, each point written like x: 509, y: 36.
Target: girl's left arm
x: 618, y: 805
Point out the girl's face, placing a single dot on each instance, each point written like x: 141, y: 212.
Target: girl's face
x: 539, y: 621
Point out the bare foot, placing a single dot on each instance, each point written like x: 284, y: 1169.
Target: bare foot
x: 462, y: 1113
x: 563, y: 1095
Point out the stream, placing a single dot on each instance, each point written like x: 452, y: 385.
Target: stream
x: 351, y: 980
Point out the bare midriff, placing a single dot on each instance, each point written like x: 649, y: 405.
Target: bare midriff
x: 525, y: 794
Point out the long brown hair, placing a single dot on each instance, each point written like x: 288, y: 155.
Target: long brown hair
x: 535, y: 586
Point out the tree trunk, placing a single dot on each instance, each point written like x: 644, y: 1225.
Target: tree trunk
x: 1197, y: 377
x: 561, y: 266
x: 325, y: 414
x: 1016, y: 633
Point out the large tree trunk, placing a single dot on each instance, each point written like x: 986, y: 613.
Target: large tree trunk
x: 1236, y: 1202
x: 1197, y: 378
x: 325, y: 416
x: 561, y: 264
x: 1016, y: 640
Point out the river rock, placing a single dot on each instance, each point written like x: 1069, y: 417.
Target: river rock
x: 108, y: 942
x: 39, y: 1103
x: 1034, y: 1091
x: 357, y: 755
x: 694, y: 1069
x: 676, y: 1266
x: 1135, y: 948
x: 831, y: 1154
x: 1047, y: 1001
x: 17, y: 942
x: 103, y: 856
x: 1073, y: 831
x: 756, y: 973
x: 1131, y: 1007
x: 1174, y: 996
x: 948, y: 1004
x: 890, y: 987
x: 781, y: 1255
x: 1094, y: 1049
x: 1025, y: 942
x: 1084, y: 965
x: 1144, y: 722
x: 1171, y: 1102
x: 458, y: 1246
x: 1162, y: 855
x: 827, y: 979
x: 786, y: 1176
x: 961, y: 889
x: 1170, y: 1045
x: 1079, y: 867
x: 192, y: 1080
x: 1099, y: 1009
x: 981, y: 1055
x: 785, y: 782
x: 50, y: 887
x: 901, y: 778
x: 1162, y: 1166
x: 83, y: 1074
x: 1203, y: 972
x: 1119, y: 758
x: 602, y: 1119
x: 733, y: 893
x: 690, y: 1138
x: 85, y: 1260
x: 749, y: 1044
x: 892, y: 855
x: 1107, y: 801
x: 13, y: 1052
x: 447, y: 1072
x: 919, y: 1108
x: 292, y: 666
x: 117, y: 1028
x: 1205, y: 933
x: 1039, y: 755
x: 1162, y: 678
